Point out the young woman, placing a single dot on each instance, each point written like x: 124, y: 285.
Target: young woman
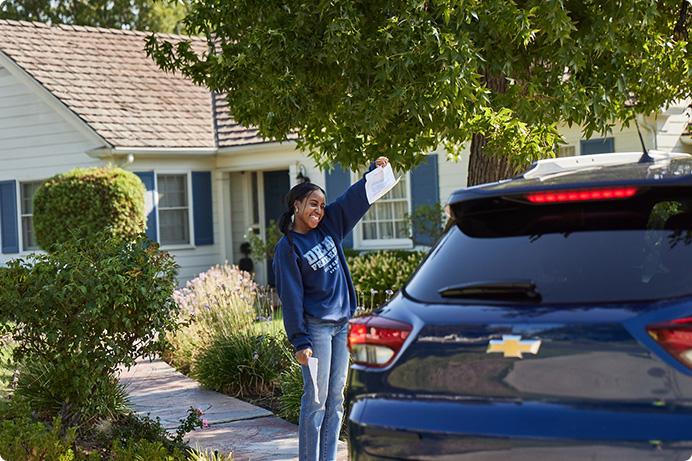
x: 318, y: 298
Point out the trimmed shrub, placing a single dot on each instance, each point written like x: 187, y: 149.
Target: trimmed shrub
x: 378, y: 274
x: 81, y: 311
x: 85, y: 202
x: 218, y: 301
x: 243, y: 364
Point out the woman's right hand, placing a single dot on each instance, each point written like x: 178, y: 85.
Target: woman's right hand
x: 303, y: 355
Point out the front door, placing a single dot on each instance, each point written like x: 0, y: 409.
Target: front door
x: 276, y: 186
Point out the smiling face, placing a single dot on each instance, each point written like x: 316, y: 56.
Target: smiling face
x: 309, y: 211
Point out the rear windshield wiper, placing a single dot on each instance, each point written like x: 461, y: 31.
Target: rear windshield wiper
x: 516, y: 290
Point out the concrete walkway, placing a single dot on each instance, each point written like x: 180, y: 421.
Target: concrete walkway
x: 247, y: 431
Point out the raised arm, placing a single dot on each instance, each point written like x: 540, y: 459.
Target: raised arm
x: 345, y: 212
x: 289, y: 285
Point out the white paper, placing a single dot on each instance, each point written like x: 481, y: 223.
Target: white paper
x: 379, y: 181
x: 312, y: 366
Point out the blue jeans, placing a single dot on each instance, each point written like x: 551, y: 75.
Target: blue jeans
x: 320, y: 423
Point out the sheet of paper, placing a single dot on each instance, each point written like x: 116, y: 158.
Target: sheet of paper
x: 379, y: 181
x: 312, y: 366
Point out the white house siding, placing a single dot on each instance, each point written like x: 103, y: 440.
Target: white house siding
x: 671, y: 125
x: 36, y: 140
x: 240, y: 213
x: 191, y: 259
x: 625, y: 139
x: 452, y: 174
x: 267, y: 157
x: 238, y: 164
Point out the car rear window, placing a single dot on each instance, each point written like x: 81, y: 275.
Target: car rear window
x: 574, y: 253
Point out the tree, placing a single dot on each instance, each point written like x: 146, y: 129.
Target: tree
x: 356, y: 79
x: 150, y: 15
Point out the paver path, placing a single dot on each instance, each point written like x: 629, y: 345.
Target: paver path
x: 249, y: 432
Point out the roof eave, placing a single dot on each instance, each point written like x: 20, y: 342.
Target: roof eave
x: 105, y: 152
x: 262, y: 145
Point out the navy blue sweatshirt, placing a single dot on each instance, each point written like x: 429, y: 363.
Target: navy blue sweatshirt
x: 314, y: 279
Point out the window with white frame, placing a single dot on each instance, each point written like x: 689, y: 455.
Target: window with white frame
x: 386, y: 220
x: 27, y: 190
x: 174, y: 209
x: 566, y: 151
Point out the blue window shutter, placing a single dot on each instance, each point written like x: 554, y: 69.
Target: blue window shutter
x: 338, y: 180
x: 147, y: 178
x: 9, y: 231
x: 425, y: 190
x: 597, y: 146
x: 203, y: 216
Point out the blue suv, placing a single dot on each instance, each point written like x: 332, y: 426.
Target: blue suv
x: 552, y: 321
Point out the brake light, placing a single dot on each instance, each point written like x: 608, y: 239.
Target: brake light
x: 374, y: 341
x: 675, y: 337
x: 582, y: 195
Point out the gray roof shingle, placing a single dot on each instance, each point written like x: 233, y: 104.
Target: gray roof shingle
x: 230, y: 133
x: 105, y: 77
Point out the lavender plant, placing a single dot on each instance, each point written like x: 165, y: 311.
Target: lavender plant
x: 218, y: 301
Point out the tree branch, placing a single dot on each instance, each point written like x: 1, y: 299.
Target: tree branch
x: 680, y: 29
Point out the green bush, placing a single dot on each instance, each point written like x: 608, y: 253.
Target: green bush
x: 243, y: 364
x: 209, y: 455
x: 41, y: 384
x: 6, y: 364
x: 126, y: 438
x: 378, y: 274
x: 81, y: 311
x: 291, y: 392
x: 218, y: 301
x: 83, y: 203
x: 262, y: 249
x: 426, y: 223
x: 140, y: 449
x: 24, y: 439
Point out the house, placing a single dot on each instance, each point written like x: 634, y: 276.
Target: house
x: 75, y: 96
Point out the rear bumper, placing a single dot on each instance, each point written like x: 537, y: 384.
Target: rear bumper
x: 388, y: 428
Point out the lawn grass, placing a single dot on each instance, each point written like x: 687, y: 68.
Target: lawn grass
x: 272, y: 327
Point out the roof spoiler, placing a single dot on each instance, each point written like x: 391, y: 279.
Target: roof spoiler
x: 558, y: 165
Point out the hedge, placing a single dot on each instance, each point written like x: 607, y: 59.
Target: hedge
x: 86, y: 201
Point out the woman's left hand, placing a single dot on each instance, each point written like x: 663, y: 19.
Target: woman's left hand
x: 382, y: 161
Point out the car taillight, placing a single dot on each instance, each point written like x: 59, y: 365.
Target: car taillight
x: 581, y: 195
x: 675, y: 337
x: 374, y: 341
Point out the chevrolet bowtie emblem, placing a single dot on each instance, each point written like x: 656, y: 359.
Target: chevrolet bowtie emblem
x: 513, y: 346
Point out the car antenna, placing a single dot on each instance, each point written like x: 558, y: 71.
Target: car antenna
x: 631, y: 102
x: 645, y: 158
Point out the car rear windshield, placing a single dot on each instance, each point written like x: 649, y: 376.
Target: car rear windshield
x: 610, y: 251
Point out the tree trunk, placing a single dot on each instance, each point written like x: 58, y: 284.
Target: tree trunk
x: 484, y: 167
